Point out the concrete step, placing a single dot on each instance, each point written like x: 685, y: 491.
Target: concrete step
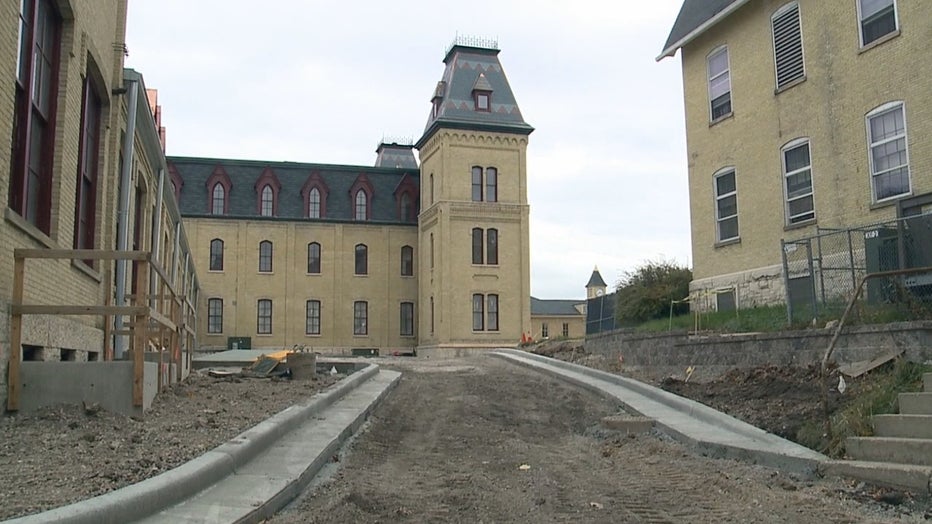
x: 890, y: 449
x: 927, y: 382
x: 902, y: 476
x: 906, y: 426
x: 915, y: 403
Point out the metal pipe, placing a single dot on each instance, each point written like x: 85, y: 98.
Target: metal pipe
x: 156, y: 241
x: 120, y: 342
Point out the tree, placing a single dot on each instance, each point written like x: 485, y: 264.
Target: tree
x: 646, y: 292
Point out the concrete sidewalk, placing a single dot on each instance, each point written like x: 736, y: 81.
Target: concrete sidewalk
x: 712, y: 432
x: 716, y: 434
x: 251, y: 476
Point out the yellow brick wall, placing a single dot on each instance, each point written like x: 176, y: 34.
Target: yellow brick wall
x: 843, y: 83
x: 289, y: 286
x: 451, y: 216
x: 576, y: 325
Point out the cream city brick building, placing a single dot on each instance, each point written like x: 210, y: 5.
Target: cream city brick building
x: 67, y: 110
x: 396, y: 257
x: 799, y: 115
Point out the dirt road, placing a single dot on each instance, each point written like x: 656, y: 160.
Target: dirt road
x: 481, y: 440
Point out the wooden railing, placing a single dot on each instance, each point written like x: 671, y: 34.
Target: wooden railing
x: 162, y: 319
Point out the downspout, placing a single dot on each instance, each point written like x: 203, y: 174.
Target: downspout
x: 126, y: 178
x: 156, y: 241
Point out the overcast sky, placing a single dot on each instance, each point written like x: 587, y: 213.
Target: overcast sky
x: 314, y: 81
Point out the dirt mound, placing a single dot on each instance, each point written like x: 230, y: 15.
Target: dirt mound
x: 780, y: 400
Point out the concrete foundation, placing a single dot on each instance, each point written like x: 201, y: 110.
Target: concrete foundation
x: 109, y: 384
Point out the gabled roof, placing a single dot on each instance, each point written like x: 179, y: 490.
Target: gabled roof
x: 561, y: 308
x: 696, y: 16
x: 469, y: 68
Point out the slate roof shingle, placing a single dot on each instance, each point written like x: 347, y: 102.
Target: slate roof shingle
x: 694, y: 14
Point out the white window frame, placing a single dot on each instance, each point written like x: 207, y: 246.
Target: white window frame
x: 793, y: 144
x: 709, y: 79
x: 266, y: 201
x: 718, y: 220
x: 896, y: 21
x: 871, y: 145
x: 802, y: 45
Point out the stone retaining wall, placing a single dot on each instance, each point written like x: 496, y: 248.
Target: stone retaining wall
x: 712, y: 354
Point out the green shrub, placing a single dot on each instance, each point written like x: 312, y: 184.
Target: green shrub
x: 646, y: 292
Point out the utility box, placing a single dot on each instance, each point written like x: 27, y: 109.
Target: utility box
x: 239, y: 342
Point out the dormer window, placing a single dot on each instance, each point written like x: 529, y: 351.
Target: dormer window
x: 482, y: 94
x: 482, y: 101
x: 267, y: 188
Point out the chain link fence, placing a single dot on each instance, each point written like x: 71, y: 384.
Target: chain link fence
x: 600, y: 314
x: 822, y: 272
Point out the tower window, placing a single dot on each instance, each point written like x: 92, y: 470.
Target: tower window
x: 483, y: 101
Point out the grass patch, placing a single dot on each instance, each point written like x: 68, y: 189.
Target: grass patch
x: 764, y: 318
x: 872, y: 394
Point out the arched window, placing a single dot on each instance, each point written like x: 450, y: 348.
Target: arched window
x: 218, y: 200
x: 312, y: 318
x: 267, y: 201
x: 491, y: 184
x: 360, y: 317
x: 476, y: 184
x: 265, y: 256
x: 362, y: 259
x: 361, y: 212
x: 313, y: 203
x: 889, y: 158
x: 477, y: 242
x: 313, y: 258
x: 407, y: 261
x: 491, y: 248
x: 216, y: 255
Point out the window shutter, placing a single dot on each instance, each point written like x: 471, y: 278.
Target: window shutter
x: 788, y: 46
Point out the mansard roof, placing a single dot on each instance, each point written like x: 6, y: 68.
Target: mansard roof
x: 293, y: 176
x: 470, y: 68
x: 395, y: 155
x: 696, y: 16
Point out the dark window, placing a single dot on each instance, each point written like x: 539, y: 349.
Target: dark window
x: 432, y: 251
x: 407, y: 319
x: 407, y: 261
x: 431, y: 189
x: 566, y: 329
x: 264, y: 317
x: 86, y: 196
x: 215, y: 315
x: 788, y: 45
x: 544, y: 330
x: 216, y: 255
x: 36, y: 92
x: 431, y: 315
x: 312, y: 322
x: 478, y: 312
x: 493, y: 312
x: 477, y: 246
x: 491, y: 184
x: 218, y: 196
x: 265, y: 256
x: 491, y: 251
x: 476, y: 184
x: 362, y: 259
x: 878, y: 18
x: 360, y: 317
x: 313, y: 258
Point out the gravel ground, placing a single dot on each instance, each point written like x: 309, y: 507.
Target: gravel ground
x: 482, y: 440
x: 66, y: 453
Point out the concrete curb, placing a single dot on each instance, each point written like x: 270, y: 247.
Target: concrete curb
x: 805, y: 462
x: 917, y: 479
x: 142, y: 499
x: 294, y: 488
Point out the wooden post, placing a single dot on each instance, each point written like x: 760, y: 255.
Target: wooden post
x: 14, y: 377
x: 108, y: 346
x: 175, y: 342
x: 140, y: 332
